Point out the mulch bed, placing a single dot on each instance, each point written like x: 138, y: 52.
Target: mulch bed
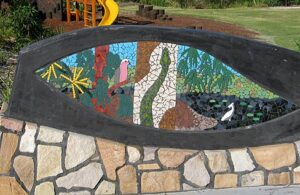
x: 177, y: 21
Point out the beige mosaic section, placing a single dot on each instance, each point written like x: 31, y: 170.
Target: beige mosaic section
x: 40, y: 165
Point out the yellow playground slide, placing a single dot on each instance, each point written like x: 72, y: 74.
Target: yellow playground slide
x: 111, y: 11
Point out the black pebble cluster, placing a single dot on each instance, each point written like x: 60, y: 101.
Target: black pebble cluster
x: 248, y: 111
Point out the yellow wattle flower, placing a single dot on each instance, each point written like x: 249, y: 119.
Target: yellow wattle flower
x: 51, y: 71
x: 75, y: 82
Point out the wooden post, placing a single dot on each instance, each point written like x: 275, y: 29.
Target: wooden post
x: 94, y: 13
x: 77, y: 11
x: 85, y: 14
x: 68, y: 11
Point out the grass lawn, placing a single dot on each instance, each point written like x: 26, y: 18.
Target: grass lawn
x: 279, y: 26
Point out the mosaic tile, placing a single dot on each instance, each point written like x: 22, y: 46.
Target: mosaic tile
x: 163, y: 85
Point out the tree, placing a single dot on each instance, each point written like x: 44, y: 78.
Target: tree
x: 202, y: 72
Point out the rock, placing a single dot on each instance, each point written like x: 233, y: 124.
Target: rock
x: 127, y: 179
x: 8, y: 147
x: 9, y: 186
x: 48, y: 161
x: 296, y: 175
x: 279, y: 178
x: 79, y: 149
x: 187, y: 187
x: 149, y: 153
x: 217, y: 160
x: 45, y: 188
x: 196, y: 172
x: 255, y: 178
x: 3, y: 107
x: 113, y: 156
x: 134, y: 154
x: 31, y: 126
x: 12, y: 61
x: 172, y: 158
x: 76, y: 193
x: 27, y: 143
x: 24, y: 168
x: 13, y: 125
x: 274, y: 156
x: 160, y: 181
x: 241, y: 160
x: 106, y: 187
x: 86, y: 177
x: 226, y: 181
x: 150, y: 166
x: 50, y: 135
x: 297, y: 143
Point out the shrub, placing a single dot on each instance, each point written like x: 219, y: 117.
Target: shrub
x: 6, y: 86
x: 6, y: 30
x: 27, y: 22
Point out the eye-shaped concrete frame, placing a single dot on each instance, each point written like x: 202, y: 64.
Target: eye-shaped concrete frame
x: 274, y: 68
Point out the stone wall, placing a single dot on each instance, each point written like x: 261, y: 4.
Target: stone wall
x: 41, y: 160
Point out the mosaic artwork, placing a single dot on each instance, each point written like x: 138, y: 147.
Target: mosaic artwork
x: 163, y: 85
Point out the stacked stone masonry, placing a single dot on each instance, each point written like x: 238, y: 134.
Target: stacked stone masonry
x: 41, y: 160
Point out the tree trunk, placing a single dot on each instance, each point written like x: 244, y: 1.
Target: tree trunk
x: 101, y: 53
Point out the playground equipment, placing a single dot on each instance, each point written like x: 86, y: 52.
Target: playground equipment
x: 93, y: 11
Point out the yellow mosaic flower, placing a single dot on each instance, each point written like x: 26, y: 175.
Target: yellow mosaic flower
x: 51, y: 71
x: 76, y: 82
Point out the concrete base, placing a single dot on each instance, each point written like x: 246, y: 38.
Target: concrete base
x: 263, y: 190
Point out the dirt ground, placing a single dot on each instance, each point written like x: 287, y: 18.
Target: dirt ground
x: 177, y: 21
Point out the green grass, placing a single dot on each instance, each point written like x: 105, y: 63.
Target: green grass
x: 275, y: 25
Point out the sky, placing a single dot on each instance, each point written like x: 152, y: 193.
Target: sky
x: 129, y: 50
x: 125, y: 51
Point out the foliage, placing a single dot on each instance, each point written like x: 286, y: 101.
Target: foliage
x: 6, y: 30
x: 244, y: 88
x: 113, y: 62
x: 85, y: 60
x: 100, y: 93
x: 24, y: 23
x: 27, y: 23
x: 203, y: 72
x: 6, y: 86
x: 126, y: 106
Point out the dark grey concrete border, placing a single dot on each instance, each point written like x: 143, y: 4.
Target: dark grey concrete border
x: 275, y: 68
